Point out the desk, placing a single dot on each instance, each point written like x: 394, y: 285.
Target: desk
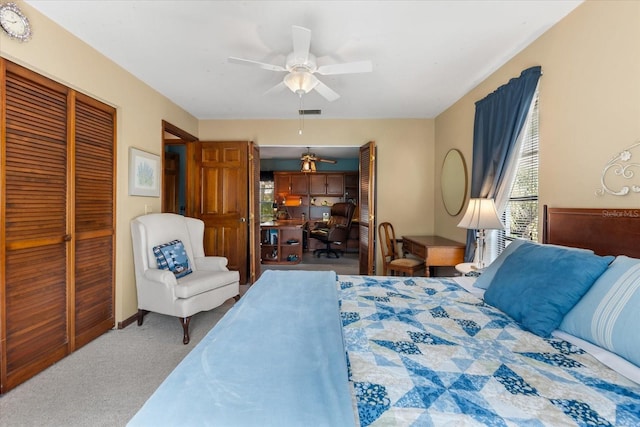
x: 436, y: 251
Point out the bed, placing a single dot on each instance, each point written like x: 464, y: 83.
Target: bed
x: 316, y: 349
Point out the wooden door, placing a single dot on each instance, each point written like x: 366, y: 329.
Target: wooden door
x: 94, y: 220
x: 58, y: 222
x: 367, y: 219
x: 36, y: 227
x: 254, y: 213
x: 222, y: 200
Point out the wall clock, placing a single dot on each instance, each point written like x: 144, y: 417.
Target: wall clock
x: 14, y: 23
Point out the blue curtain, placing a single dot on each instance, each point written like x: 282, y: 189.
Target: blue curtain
x: 498, y: 121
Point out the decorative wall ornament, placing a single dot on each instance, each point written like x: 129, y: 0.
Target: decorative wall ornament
x: 618, y: 172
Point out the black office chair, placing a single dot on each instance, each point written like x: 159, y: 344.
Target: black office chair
x: 335, y: 231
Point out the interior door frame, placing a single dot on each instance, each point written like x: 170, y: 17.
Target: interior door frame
x: 186, y: 139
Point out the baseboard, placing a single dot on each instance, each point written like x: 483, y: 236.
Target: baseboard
x: 126, y: 322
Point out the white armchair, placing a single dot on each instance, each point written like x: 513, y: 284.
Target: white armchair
x: 208, y: 285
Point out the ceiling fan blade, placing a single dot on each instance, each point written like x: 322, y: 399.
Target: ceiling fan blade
x: 326, y: 92
x: 277, y: 88
x: 327, y: 161
x: 346, y: 68
x: 262, y: 65
x: 301, y: 43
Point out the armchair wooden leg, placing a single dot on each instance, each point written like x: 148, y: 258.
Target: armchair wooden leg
x: 141, y: 314
x: 237, y: 298
x: 185, y: 327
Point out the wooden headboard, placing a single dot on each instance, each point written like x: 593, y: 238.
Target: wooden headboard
x: 605, y: 231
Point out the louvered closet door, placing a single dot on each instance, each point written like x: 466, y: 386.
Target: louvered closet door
x: 36, y: 226
x: 94, y: 219
x: 57, y: 205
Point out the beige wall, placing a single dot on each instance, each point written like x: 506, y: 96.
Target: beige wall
x: 405, y: 157
x: 589, y: 107
x: 57, y: 54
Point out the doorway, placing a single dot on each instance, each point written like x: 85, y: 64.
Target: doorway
x: 287, y: 160
x: 177, y: 146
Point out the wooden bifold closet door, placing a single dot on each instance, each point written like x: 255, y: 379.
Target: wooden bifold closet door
x: 57, y: 218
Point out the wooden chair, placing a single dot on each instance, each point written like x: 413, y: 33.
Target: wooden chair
x: 392, y: 260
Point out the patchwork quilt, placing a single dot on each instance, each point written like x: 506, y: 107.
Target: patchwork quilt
x: 423, y: 351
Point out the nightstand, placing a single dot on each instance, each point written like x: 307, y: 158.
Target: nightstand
x: 468, y: 269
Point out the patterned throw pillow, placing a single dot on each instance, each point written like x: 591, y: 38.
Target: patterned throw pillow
x: 172, y: 256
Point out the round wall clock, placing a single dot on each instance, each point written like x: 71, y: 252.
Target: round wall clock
x: 14, y: 23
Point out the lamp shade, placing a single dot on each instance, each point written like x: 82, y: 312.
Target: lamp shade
x: 292, y: 201
x: 481, y: 214
x: 308, y: 166
x: 300, y: 82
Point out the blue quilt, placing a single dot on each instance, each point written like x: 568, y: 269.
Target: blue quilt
x: 425, y: 352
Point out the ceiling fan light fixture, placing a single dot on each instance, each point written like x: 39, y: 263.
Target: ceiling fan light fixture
x: 308, y: 166
x: 300, y: 82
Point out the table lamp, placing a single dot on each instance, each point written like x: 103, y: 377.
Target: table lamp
x: 481, y: 215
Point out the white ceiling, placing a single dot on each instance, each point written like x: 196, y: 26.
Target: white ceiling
x: 425, y: 54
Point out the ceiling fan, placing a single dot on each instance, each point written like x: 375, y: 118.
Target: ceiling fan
x: 301, y: 68
x: 309, y: 161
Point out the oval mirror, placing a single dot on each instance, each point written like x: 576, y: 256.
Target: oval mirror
x: 453, y: 182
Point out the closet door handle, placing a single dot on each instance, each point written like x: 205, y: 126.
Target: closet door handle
x: 67, y: 237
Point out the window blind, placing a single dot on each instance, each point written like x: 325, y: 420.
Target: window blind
x: 521, y: 213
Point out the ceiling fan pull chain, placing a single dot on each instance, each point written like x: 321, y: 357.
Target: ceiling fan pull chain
x: 301, y: 114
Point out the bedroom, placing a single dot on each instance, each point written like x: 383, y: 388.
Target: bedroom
x: 589, y: 98
x: 590, y: 95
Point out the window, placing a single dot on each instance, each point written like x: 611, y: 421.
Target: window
x: 266, y: 200
x: 521, y: 212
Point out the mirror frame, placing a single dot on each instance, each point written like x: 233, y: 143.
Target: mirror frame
x: 454, y: 192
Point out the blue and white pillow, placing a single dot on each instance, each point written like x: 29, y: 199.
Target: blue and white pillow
x: 608, y: 315
x: 172, y: 256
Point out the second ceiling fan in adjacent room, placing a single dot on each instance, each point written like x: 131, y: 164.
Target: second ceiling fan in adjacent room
x: 309, y: 161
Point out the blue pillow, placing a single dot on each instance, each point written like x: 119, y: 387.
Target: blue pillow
x: 173, y: 257
x: 538, y: 284
x: 484, y: 280
x: 609, y: 314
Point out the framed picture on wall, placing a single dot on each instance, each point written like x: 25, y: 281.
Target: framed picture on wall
x: 144, y: 173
